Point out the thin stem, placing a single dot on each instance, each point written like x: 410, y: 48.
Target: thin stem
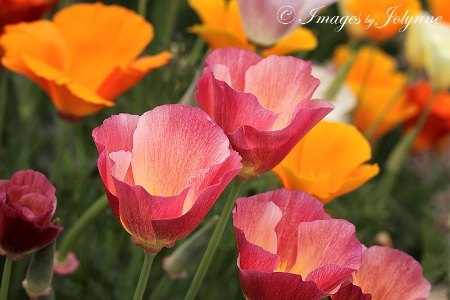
x: 215, y: 239
x: 80, y: 226
x: 3, y: 97
x: 341, y: 75
x: 398, y: 156
x: 142, y: 8
x: 374, y: 126
x: 145, y: 273
x: 162, y: 286
x: 5, y: 279
x: 61, y: 144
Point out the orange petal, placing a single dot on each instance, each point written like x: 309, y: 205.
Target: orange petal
x: 440, y: 8
x: 301, y: 39
x: 41, y: 41
x: 69, y: 97
x: 120, y: 80
x: 105, y: 37
x: 217, y: 38
x: 327, y: 162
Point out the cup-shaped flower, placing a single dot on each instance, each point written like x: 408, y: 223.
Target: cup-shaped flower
x: 427, y: 46
x: 27, y: 204
x: 13, y: 11
x: 380, y: 90
x: 263, y: 105
x: 328, y: 162
x: 82, y: 68
x: 381, y: 20
x: 386, y: 273
x: 289, y: 248
x: 264, y: 30
x: 222, y: 27
x: 163, y: 171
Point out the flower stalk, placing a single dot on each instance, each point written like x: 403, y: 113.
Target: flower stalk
x: 5, y: 279
x: 145, y: 273
x: 215, y: 239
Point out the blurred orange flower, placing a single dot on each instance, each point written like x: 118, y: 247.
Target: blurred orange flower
x: 437, y: 126
x: 328, y: 162
x: 379, y: 88
x: 440, y: 8
x: 84, y: 58
x: 222, y: 27
x: 15, y: 11
x: 386, y: 16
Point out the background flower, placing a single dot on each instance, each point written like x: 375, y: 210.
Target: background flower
x: 15, y: 11
x: 222, y: 27
x: 163, y: 171
x: 27, y: 204
x: 82, y: 68
x: 328, y: 162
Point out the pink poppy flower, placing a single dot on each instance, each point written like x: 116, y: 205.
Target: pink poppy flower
x: 289, y: 248
x: 388, y: 274
x: 27, y: 205
x: 263, y: 105
x: 163, y: 171
x: 266, y: 22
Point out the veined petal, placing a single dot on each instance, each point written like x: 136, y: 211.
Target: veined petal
x: 387, y: 273
x: 325, y: 242
x: 109, y: 30
x: 157, y: 129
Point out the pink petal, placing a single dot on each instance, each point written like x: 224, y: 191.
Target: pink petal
x: 258, y: 221
x: 261, y: 23
x: 269, y: 286
x: 179, y: 137
x: 281, y: 92
x: 387, y: 273
x: 350, y: 292
x: 236, y: 61
x: 327, y: 242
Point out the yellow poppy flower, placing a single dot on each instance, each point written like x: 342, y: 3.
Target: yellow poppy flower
x: 328, y: 162
x: 378, y: 86
x: 222, y: 27
x: 84, y: 58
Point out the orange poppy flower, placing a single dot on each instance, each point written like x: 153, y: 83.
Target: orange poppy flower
x: 437, y: 126
x: 328, y: 162
x: 15, y: 11
x: 386, y: 16
x: 440, y: 8
x: 84, y: 67
x: 222, y: 27
x: 379, y: 89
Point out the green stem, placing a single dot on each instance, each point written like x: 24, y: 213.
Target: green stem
x: 3, y: 97
x: 80, y: 226
x: 341, y: 75
x: 5, y: 279
x: 145, y: 273
x: 374, y: 126
x: 398, y: 156
x: 162, y: 286
x: 142, y: 8
x: 164, y: 17
x: 215, y: 239
x: 61, y: 145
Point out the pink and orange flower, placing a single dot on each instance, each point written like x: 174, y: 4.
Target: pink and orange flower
x: 163, y: 171
x: 263, y: 105
x: 289, y: 248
